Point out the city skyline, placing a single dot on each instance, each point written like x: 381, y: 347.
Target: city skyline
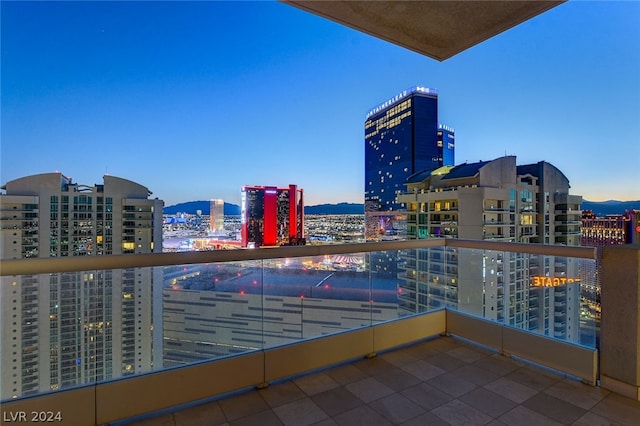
x: 184, y: 100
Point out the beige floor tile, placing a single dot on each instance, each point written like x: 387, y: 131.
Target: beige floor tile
x: 426, y: 396
x: 336, y: 401
x: 495, y: 423
x: 591, y: 419
x: 466, y: 354
x: 423, y: 370
x: 426, y: 419
x: 577, y: 393
x: 361, y: 416
x: 535, y: 378
x: 521, y: 416
x: 488, y: 402
x: 303, y: 412
x: 554, y: 408
x: 326, y: 422
x: 369, y: 389
x: 445, y: 362
x: 475, y: 374
x: 458, y: 413
x: 619, y: 409
x: 510, y: 389
x: 315, y: 383
x: 396, y: 408
x: 497, y: 364
x: 397, y: 379
x: 452, y: 384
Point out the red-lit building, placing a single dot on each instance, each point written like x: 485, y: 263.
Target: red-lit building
x: 272, y: 216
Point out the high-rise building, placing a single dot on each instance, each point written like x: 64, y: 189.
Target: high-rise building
x: 216, y: 217
x: 65, y: 329
x: 272, y: 216
x: 402, y: 137
x: 495, y: 200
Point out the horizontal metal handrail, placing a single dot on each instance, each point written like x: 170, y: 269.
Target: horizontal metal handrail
x: 51, y: 265
x: 526, y: 248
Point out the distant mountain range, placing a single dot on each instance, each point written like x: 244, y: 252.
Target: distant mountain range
x: 600, y: 208
x: 603, y: 208
x: 191, y: 207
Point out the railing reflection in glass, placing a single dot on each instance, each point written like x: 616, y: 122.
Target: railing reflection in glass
x: 548, y: 295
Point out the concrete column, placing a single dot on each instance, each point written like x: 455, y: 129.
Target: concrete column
x: 620, y: 321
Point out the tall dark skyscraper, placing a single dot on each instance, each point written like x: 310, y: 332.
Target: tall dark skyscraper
x: 402, y: 137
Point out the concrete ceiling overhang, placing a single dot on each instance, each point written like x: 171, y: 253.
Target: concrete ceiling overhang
x: 438, y: 29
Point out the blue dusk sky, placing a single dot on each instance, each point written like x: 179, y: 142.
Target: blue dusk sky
x: 196, y: 99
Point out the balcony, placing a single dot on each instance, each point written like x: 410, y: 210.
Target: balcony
x: 269, y: 324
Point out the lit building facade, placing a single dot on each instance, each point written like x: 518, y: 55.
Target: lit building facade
x: 600, y: 231
x: 66, y: 329
x: 402, y: 137
x: 603, y: 231
x: 272, y: 216
x: 216, y: 217
x: 495, y: 200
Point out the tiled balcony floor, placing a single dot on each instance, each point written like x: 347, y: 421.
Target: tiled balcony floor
x: 437, y: 382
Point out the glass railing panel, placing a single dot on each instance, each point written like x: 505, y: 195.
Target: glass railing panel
x: 392, y: 283
x: 307, y: 297
x: 211, y: 310
x: 64, y: 330
x: 549, y: 295
x: 557, y: 299
x: 424, y: 282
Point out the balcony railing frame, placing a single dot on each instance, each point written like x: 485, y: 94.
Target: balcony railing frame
x: 109, y: 401
x: 51, y: 265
